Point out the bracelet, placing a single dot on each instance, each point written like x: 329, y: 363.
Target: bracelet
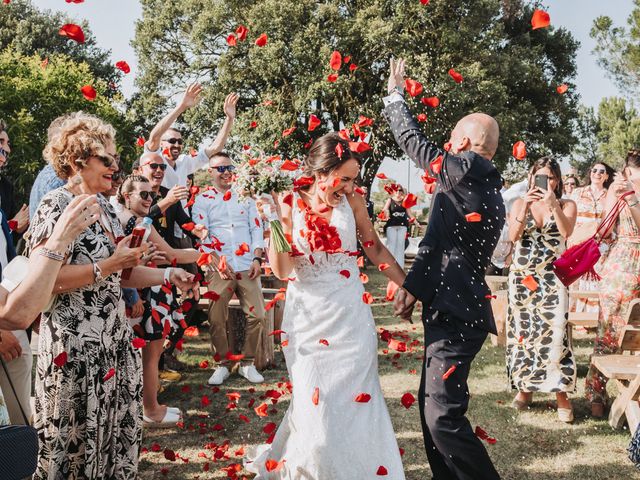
x: 519, y: 221
x: 167, y: 274
x: 631, y: 205
x: 259, y: 259
x: 97, y: 273
x: 52, y: 254
x: 397, y: 90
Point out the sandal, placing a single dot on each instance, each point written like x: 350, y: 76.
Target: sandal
x: 169, y: 420
x: 565, y: 415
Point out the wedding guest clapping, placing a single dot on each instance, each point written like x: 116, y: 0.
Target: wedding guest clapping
x: 539, y: 357
x: 88, y: 411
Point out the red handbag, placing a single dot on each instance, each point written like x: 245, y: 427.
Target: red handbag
x: 581, y: 259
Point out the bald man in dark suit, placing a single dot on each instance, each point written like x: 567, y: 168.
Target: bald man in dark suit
x: 466, y: 218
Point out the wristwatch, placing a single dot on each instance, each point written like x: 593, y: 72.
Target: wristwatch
x: 259, y: 259
x: 97, y: 273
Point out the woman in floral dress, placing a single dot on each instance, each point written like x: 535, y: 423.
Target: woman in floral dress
x: 88, y: 411
x: 620, y: 277
x: 539, y: 357
x: 590, y: 201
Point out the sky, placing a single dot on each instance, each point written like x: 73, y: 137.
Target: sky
x: 113, y: 23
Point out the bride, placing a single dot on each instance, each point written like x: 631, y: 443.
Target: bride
x: 337, y: 425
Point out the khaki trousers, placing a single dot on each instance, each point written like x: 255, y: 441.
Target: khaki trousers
x: 249, y: 292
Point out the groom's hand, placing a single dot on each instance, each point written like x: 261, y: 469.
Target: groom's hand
x: 396, y: 75
x: 403, y: 304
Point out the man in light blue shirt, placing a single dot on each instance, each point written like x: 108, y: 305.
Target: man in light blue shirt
x: 46, y: 181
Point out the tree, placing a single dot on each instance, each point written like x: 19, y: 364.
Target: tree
x: 586, y: 151
x: 33, y: 93
x: 619, y: 130
x: 29, y: 31
x: 606, y: 135
x: 509, y: 71
x: 618, y: 50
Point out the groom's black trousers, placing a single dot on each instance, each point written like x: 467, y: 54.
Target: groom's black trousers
x: 454, y: 451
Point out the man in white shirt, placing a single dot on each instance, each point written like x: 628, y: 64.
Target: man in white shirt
x: 168, y: 141
x: 234, y: 222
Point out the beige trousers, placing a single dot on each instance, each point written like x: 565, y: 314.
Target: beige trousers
x: 249, y: 292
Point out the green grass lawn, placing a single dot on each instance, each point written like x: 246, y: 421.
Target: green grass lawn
x: 530, y: 445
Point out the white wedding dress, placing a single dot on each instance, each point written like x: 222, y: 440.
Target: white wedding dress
x: 339, y: 438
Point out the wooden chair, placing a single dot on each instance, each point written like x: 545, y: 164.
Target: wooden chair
x: 624, y: 370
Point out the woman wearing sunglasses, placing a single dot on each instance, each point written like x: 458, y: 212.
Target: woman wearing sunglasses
x: 162, y: 313
x: 88, y: 385
x: 590, y: 201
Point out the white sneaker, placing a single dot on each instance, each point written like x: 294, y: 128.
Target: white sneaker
x: 219, y: 376
x: 250, y: 373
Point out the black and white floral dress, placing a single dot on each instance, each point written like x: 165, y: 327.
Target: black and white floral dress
x: 88, y: 405
x: 539, y: 357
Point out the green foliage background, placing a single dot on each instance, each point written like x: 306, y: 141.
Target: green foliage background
x: 510, y: 71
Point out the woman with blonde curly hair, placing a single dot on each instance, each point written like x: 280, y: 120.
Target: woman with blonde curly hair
x: 88, y: 386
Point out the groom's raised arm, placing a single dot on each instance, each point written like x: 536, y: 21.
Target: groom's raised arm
x: 447, y: 169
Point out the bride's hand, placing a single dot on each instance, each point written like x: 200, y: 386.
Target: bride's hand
x: 279, y: 205
x: 403, y: 304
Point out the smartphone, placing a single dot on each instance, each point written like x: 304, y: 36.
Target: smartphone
x: 542, y: 181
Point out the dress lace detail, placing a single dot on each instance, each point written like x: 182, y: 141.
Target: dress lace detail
x: 339, y: 438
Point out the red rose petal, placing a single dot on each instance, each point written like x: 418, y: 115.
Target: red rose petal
x: 520, y: 150
x: 540, y: 19
x: 363, y: 398
x: 407, y: 400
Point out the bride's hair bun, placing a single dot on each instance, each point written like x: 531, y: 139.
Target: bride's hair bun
x: 323, y: 156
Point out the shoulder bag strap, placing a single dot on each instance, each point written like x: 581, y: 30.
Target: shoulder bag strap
x: 6, y: 372
x: 612, y: 216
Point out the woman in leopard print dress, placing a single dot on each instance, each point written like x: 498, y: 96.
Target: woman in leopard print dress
x: 539, y: 358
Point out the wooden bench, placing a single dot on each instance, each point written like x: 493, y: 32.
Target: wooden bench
x: 624, y: 370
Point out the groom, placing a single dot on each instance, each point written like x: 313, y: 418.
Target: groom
x: 467, y: 215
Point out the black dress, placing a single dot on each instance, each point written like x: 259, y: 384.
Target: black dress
x: 162, y: 315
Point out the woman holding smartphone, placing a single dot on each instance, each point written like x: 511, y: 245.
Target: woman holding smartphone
x: 539, y: 358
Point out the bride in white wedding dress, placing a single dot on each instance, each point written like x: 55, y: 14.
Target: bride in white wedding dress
x: 337, y: 425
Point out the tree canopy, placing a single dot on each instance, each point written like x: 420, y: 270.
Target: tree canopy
x: 33, y: 93
x: 618, y: 50
x: 509, y: 70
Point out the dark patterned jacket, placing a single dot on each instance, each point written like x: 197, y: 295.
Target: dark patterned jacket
x: 449, y: 269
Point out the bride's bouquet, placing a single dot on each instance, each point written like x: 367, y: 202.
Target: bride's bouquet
x: 255, y: 176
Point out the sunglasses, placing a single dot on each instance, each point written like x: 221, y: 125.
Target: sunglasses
x: 155, y: 166
x: 145, y: 195
x: 570, y: 184
x: 119, y: 175
x: 601, y: 171
x: 173, y: 141
x: 108, y: 160
x: 225, y: 168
